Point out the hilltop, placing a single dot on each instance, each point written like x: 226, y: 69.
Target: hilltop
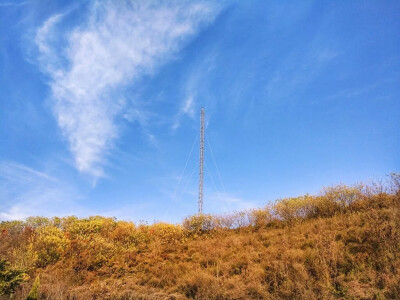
x: 342, y: 243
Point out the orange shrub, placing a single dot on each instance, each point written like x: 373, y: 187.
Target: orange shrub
x: 125, y: 233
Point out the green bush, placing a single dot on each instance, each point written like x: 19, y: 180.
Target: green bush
x: 10, y: 278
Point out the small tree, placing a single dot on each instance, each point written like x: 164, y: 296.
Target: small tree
x: 198, y: 223
x: 259, y: 218
x: 345, y: 196
x: 395, y: 183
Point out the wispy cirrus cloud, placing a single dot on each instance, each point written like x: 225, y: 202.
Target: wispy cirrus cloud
x: 120, y: 42
x: 224, y: 203
x: 14, y: 3
x: 25, y: 191
x: 187, y: 108
x: 20, y: 173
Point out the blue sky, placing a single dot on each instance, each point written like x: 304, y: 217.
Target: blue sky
x: 100, y: 103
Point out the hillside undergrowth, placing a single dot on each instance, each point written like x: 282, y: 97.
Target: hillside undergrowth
x: 343, y: 243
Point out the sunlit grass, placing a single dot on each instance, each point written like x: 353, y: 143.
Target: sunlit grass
x: 342, y: 243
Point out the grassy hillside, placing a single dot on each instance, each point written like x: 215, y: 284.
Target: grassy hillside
x: 343, y: 243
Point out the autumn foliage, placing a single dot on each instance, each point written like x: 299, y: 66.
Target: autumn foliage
x: 342, y: 243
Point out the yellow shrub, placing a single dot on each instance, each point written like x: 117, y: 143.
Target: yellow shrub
x: 92, y: 225
x: 166, y: 233
x: 49, y: 244
x: 24, y: 256
x: 91, y: 253
x: 125, y: 233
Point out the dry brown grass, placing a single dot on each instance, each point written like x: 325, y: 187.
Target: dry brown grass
x: 343, y: 243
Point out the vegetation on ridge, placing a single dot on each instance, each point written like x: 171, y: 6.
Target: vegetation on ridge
x: 343, y: 243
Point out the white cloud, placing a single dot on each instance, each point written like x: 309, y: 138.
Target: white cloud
x: 122, y: 41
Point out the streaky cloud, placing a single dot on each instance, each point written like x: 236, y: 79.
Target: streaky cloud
x: 27, y: 191
x: 187, y: 108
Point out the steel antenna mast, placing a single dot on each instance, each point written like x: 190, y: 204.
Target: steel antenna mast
x: 201, y: 163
